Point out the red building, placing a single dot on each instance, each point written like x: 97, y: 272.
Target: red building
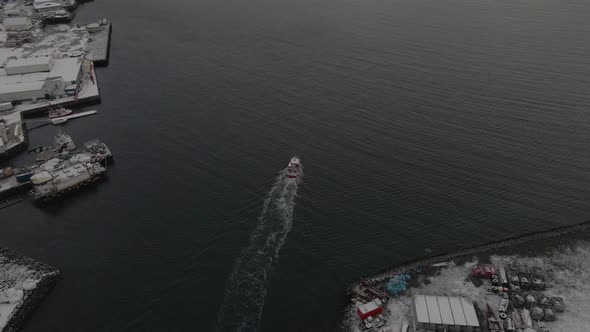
x: 369, y: 309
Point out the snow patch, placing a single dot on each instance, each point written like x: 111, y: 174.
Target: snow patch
x: 566, y: 272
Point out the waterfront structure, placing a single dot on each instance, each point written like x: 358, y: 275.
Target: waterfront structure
x: 366, y: 310
x: 19, y: 30
x: 18, y: 23
x: 29, y: 65
x: 437, y: 313
x: 40, y: 77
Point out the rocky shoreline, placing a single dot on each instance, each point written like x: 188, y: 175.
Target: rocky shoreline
x: 24, y: 282
x: 424, y: 262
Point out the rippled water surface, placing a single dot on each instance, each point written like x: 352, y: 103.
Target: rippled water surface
x: 422, y: 124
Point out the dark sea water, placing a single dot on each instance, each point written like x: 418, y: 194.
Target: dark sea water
x: 424, y: 126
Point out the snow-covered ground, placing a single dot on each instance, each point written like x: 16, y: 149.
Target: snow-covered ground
x: 567, y: 274
x: 19, y: 277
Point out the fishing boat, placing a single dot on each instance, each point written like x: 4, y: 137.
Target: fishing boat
x: 59, y: 112
x: 294, y: 168
x: 64, y: 176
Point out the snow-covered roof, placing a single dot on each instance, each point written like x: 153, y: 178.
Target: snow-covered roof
x: 41, y: 177
x: 66, y: 68
x: 370, y: 306
x: 32, y: 61
x: 21, y: 87
x: 23, y: 78
x: 16, y: 21
x: 453, y: 311
x: 12, y: 12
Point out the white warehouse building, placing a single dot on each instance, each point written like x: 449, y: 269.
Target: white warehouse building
x: 43, y: 77
x: 442, y: 313
x: 29, y: 65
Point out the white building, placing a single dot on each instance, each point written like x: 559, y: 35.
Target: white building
x: 29, y: 65
x: 438, y: 313
x: 14, y: 12
x: 70, y: 72
x: 17, y: 24
x: 62, y: 79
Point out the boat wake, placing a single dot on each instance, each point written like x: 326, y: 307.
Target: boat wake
x: 246, y: 287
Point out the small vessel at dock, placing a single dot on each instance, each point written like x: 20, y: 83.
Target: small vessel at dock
x: 294, y: 168
x: 65, y: 118
x: 58, y: 113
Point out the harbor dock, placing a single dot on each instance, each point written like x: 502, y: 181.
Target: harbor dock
x: 44, y: 67
x: 98, y: 45
x: 45, y: 57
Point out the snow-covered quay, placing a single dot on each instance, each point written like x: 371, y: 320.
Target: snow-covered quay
x: 24, y: 283
x: 559, y: 256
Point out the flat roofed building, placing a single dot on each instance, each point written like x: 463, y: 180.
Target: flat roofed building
x: 69, y: 69
x: 437, y: 313
x: 372, y: 308
x: 28, y: 65
x: 17, y: 23
x: 22, y: 91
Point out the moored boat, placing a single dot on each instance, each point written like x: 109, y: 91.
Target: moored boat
x: 59, y: 112
x: 62, y: 177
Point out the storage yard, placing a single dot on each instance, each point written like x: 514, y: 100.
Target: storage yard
x: 536, y: 283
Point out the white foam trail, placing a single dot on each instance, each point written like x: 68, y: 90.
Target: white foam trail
x: 246, y: 287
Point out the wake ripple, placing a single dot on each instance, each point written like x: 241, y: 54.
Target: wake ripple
x: 246, y: 287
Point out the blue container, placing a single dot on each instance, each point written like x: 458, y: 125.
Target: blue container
x: 24, y: 177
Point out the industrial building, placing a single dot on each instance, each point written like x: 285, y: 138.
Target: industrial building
x: 29, y: 65
x: 438, y: 313
x: 40, y: 77
x: 366, y: 310
x: 70, y: 72
x: 18, y: 31
x: 17, y: 24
